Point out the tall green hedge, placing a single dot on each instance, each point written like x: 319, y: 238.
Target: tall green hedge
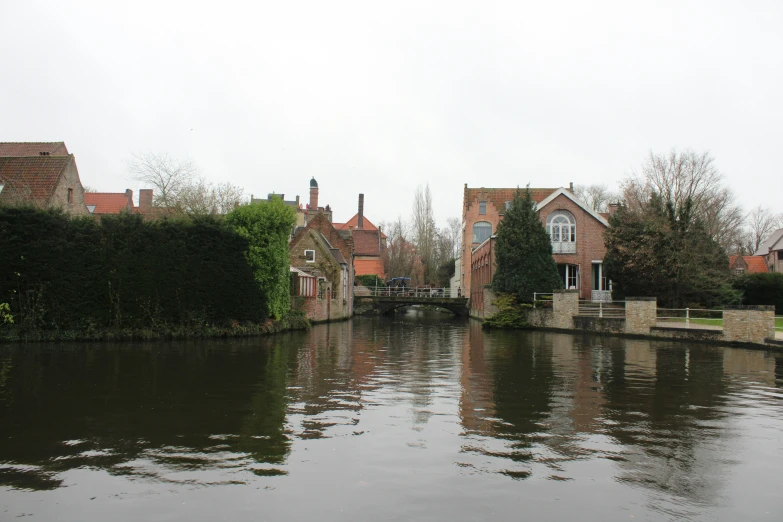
x: 63, y: 273
x: 761, y: 289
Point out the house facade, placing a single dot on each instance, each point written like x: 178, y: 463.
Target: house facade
x: 772, y: 251
x: 575, y: 230
x: 319, y: 251
x: 43, y: 181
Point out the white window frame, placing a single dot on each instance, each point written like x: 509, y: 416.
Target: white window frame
x: 561, y: 227
x: 307, y: 259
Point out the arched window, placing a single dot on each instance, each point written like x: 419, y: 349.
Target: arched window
x: 561, y: 227
x: 481, y: 231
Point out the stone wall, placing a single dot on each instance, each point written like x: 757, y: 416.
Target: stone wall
x: 565, y: 305
x: 640, y: 315
x: 749, y: 324
x: 614, y: 325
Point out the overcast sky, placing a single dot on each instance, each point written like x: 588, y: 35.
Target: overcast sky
x: 379, y: 97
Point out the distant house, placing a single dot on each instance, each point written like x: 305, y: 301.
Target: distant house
x: 109, y: 203
x: 772, y: 251
x: 369, y: 243
x: 43, y: 181
x: 747, y: 265
x: 320, y: 251
x: 575, y: 231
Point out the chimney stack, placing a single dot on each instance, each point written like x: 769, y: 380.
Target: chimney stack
x: 129, y: 195
x: 361, y: 212
x: 145, y: 198
x: 613, y: 207
x: 571, y: 187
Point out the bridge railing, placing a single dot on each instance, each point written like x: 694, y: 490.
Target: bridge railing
x: 434, y: 293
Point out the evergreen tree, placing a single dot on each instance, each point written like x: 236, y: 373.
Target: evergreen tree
x: 663, y: 252
x: 524, y: 252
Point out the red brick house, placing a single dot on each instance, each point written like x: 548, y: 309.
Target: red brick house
x: 575, y: 230
x: 109, y: 203
x: 43, y: 180
x: 319, y: 250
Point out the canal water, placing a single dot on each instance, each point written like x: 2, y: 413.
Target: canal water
x: 417, y: 417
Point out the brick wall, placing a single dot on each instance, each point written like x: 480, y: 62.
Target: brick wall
x: 749, y: 324
x: 337, y: 302
x: 70, y: 180
x: 369, y: 265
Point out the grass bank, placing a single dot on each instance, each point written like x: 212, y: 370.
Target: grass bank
x: 292, y: 321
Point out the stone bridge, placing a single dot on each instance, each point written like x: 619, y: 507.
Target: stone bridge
x: 382, y: 304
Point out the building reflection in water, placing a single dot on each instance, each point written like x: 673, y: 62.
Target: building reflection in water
x: 537, y: 402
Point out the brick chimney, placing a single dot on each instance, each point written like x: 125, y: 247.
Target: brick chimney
x: 145, y: 198
x: 313, y: 194
x: 360, y: 222
x: 612, y: 208
x: 129, y: 195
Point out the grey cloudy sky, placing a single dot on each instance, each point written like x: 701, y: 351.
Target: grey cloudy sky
x: 379, y: 97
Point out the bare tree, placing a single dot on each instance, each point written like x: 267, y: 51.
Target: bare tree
x: 760, y: 223
x: 688, y: 176
x: 169, y: 177
x: 596, y: 197
x: 178, y: 186
x: 424, y: 229
x: 402, y: 259
x: 454, y: 231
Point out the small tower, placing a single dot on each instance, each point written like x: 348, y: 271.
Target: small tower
x: 313, y: 194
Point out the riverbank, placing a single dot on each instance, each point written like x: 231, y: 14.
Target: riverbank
x: 290, y: 322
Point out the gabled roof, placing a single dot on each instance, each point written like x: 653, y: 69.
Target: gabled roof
x: 322, y: 224
x: 367, y: 243
x: 567, y: 193
x: 499, y: 196
x: 108, y: 202
x: 755, y: 264
x: 319, y: 238
x: 50, y: 148
x: 32, y: 178
x: 352, y: 223
x: 772, y: 243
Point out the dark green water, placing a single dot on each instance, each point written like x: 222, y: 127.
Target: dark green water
x: 420, y: 417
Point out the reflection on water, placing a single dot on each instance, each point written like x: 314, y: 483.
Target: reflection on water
x: 421, y: 416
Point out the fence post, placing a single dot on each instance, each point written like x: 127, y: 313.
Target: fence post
x: 687, y: 318
x: 600, y: 309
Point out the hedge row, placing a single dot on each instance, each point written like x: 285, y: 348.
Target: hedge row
x: 123, y: 272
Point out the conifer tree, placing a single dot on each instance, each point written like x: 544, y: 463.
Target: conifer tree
x: 524, y: 252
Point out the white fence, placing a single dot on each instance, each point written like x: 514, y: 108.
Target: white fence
x: 690, y: 318
x: 610, y: 309
x: 434, y: 293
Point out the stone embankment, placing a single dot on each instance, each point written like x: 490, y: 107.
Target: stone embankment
x: 742, y: 325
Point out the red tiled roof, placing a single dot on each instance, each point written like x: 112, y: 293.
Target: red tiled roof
x: 53, y: 148
x: 33, y: 177
x: 756, y: 264
x: 108, y: 202
x: 499, y: 196
x: 366, y: 243
x: 352, y: 223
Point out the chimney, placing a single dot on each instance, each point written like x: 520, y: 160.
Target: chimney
x: 145, y: 198
x: 360, y: 222
x: 129, y: 195
x: 612, y: 208
x: 313, y: 194
x: 571, y: 187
